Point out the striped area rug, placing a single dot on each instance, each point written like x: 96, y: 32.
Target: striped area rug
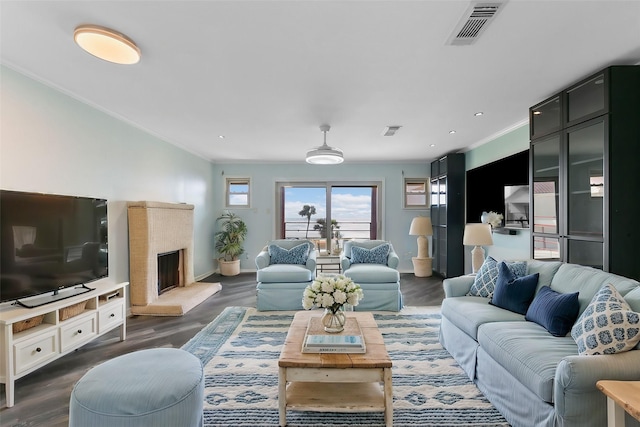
x: 240, y: 350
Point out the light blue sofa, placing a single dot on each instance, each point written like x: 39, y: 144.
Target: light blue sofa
x: 280, y: 286
x: 532, y: 377
x: 380, y: 282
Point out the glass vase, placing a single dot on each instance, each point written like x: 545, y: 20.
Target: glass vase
x: 333, y: 321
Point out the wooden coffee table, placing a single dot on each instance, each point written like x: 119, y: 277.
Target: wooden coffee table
x: 331, y: 382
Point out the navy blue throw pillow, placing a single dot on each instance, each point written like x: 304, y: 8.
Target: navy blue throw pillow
x: 554, y: 311
x: 513, y: 293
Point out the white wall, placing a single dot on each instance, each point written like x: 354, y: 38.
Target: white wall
x: 52, y: 143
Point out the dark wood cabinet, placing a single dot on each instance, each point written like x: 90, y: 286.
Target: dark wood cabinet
x: 585, y: 177
x: 447, y: 214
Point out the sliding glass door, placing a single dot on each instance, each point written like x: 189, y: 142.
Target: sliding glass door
x: 329, y: 212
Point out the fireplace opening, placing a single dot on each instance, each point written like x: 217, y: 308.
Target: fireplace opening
x: 169, y: 269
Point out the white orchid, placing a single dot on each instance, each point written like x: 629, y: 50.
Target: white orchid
x: 331, y: 292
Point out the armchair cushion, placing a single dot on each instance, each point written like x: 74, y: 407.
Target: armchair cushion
x: 372, y: 273
x: 296, y: 255
x: 377, y: 255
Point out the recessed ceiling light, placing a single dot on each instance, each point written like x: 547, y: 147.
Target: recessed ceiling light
x: 452, y: 132
x: 107, y: 44
x: 479, y: 113
x: 221, y: 136
x: 432, y: 145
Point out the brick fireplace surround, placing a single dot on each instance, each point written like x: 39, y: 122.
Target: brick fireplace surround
x: 156, y: 228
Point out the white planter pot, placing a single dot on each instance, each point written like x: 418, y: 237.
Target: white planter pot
x: 229, y: 268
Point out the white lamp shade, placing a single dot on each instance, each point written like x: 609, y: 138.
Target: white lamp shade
x: 477, y: 235
x: 421, y: 226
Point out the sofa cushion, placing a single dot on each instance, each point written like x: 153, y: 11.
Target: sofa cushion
x: 608, y: 325
x: 528, y: 352
x: 457, y: 310
x: 588, y: 280
x: 485, y: 281
x: 296, y: 255
x: 377, y: 255
x: 547, y: 270
x: 284, y: 273
x: 372, y: 273
x: 513, y: 293
x: 554, y: 311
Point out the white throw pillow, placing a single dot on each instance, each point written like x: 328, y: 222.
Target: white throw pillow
x: 607, y: 325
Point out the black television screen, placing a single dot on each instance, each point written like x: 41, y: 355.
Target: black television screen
x: 48, y: 243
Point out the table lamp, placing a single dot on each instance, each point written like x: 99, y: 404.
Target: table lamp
x: 477, y: 235
x: 421, y: 227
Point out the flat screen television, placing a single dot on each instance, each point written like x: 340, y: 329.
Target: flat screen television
x: 51, y: 246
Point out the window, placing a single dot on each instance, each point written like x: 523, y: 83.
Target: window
x: 415, y: 193
x: 329, y: 212
x: 238, y: 191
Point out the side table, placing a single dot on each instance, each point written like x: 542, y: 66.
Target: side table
x: 621, y: 396
x: 328, y: 264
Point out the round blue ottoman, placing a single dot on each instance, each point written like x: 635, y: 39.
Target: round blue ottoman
x: 156, y: 387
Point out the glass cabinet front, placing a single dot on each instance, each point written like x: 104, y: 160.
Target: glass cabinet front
x: 586, y: 181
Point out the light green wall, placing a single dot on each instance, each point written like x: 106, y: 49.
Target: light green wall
x: 261, y: 217
x: 504, y: 246
x: 52, y: 143
x: 503, y: 146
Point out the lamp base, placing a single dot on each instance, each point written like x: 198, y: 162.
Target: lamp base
x: 422, y: 267
x: 477, y: 258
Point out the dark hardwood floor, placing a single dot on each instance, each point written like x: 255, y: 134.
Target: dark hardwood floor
x: 42, y: 397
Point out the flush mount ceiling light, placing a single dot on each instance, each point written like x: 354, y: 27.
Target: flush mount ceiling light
x: 325, y: 155
x: 107, y: 44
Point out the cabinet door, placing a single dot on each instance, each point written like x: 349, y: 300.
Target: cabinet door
x: 586, y: 179
x: 585, y: 252
x: 546, y: 197
x: 435, y: 171
x: 545, y: 117
x: 435, y: 197
x: 442, y: 202
x: 587, y: 99
x: 546, y: 184
x: 442, y: 252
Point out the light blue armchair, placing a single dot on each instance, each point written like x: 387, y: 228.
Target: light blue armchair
x: 373, y: 264
x: 285, y: 268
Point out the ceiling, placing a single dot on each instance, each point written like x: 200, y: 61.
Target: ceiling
x: 267, y: 74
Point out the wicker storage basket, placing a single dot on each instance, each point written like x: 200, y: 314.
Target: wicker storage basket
x: 72, y: 310
x: 23, y: 325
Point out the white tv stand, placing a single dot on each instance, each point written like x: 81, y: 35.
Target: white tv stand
x: 25, y: 351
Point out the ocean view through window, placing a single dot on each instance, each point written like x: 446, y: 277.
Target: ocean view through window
x: 341, y: 211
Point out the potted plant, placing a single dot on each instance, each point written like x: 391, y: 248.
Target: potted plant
x: 228, y: 242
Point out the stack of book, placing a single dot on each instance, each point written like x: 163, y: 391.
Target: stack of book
x: 348, y: 341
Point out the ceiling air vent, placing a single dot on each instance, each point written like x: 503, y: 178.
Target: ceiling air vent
x: 474, y: 21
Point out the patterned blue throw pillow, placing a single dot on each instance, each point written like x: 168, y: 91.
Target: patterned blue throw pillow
x: 554, y: 311
x: 607, y: 325
x: 377, y: 255
x: 485, y: 281
x: 513, y: 293
x: 296, y: 255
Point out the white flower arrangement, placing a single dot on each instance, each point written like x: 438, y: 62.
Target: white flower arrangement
x: 495, y: 219
x: 331, y: 292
